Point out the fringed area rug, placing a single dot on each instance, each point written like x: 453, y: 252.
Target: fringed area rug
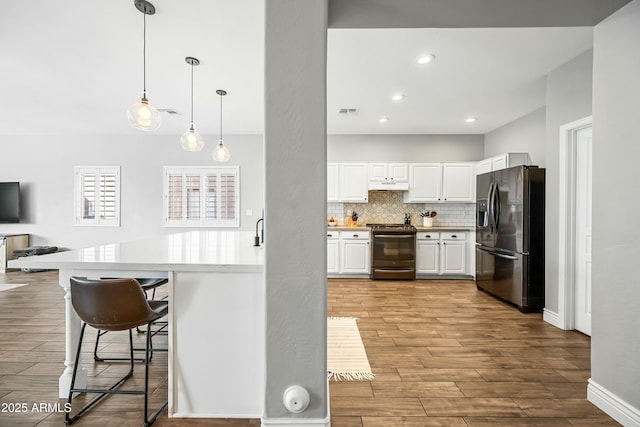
x: 346, y: 357
x: 7, y: 286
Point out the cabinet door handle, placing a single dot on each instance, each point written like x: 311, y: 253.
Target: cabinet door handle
x: 453, y: 236
x: 428, y: 236
x: 329, y: 235
x: 355, y: 235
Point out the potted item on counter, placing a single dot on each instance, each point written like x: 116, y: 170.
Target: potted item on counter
x: 427, y: 218
x: 332, y: 222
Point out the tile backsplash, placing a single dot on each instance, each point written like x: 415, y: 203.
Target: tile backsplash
x: 389, y: 207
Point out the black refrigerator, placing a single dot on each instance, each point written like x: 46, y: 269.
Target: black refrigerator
x: 510, y: 235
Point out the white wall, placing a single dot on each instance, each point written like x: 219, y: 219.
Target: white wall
x: 524, y: 135
x: 569, y: 89
x: 615, y: 344
x: 405, y: 148
x: 45, y: 164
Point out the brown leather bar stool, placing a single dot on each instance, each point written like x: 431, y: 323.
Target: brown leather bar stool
x: 114, y: 305
x: 148, y: 284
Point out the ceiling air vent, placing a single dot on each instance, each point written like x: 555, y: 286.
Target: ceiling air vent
x: 347, y: 111
x: 168, y: 111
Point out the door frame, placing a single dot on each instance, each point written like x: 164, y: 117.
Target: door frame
x: 566, y: 223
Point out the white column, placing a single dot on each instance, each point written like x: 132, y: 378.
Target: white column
x: 72, y: 332
x: 295, y: 200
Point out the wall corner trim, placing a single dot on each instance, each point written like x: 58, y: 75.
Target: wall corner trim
x: 613, y: 405
x: 552, y: 318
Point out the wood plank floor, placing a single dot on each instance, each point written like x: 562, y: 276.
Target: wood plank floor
x: 444, y: 354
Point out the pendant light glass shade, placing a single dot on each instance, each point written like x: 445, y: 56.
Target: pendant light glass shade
x: 142, y: 115
x: 221, y: 153
x: 191, y: 140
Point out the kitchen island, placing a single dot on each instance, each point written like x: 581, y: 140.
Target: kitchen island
x: 216, y: 314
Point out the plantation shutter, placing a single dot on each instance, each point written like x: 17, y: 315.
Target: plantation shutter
x: 97, y: 195
x: 201, y: 196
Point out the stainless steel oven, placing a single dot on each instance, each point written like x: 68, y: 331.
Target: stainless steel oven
x: 393, y: 251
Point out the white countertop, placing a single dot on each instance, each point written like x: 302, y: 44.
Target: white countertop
x: 223, y: 251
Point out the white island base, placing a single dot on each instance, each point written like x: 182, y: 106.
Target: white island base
x: 216, y: 352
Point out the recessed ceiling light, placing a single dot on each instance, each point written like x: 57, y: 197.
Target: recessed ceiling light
x: 383, y: 119
x: 397, y: 97
x: 471, y: 119
x: 425, y: 59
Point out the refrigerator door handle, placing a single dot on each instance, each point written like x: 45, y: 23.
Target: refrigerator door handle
x: 496, y: 206
x: 499, y: 255
x: 490, y: 207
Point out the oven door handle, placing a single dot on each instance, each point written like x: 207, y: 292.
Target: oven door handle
x: 395, y: 236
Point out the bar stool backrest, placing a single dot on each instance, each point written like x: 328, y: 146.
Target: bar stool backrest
x: 110, y: 304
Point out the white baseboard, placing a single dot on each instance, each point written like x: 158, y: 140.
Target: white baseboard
x: 296, y: 422
x: 612, y: 405
x: 551, y: 317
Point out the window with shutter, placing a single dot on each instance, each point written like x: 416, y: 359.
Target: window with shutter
x: 201, y: 196
x: 97, y: 195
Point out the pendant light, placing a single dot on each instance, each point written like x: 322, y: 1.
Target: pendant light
x: 221, y: 153
x: 142, y: 115
x: 191, y: 140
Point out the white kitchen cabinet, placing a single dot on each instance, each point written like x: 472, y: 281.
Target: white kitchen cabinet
x: 384, y: 172
x: 333, y: 252
x: 333, y: 182
x: 441, y: 182
x: 427, y: 253
x: 502, y: 161
x: 425, y: 183
x: 484, y: 166
x: 353, y: 183
x: 355, y: 252
x: 454, y: 249
x: 442, y: 253
x: 458, y: 182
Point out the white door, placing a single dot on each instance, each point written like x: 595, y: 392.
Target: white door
x: 583, y: 231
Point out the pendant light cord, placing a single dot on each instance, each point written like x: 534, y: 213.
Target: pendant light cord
x: 144, y: 55
x: 221, y: 116
x: 192, y: 94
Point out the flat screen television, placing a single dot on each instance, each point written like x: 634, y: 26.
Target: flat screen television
x: 9, y: 202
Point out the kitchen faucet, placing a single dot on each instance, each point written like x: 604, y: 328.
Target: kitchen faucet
x: 257, y: 239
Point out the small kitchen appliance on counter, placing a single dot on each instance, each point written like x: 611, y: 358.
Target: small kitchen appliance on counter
x: 393, y: 251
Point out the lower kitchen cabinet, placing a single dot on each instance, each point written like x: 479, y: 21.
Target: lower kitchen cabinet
x: 442, y: 253
x: 348, y: 253
x: 355, y: 252
x: 333, y: 252
x: 428, y: 253
x: 454, y: 248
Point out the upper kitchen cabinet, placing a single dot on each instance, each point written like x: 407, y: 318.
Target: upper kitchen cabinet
x: 333, y: 182
x: 502, y: 161
x: 381, y: 172
x: 425, y: 183
x: 441, y: 182
x: 458, y: 182
x: 353, y: 183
